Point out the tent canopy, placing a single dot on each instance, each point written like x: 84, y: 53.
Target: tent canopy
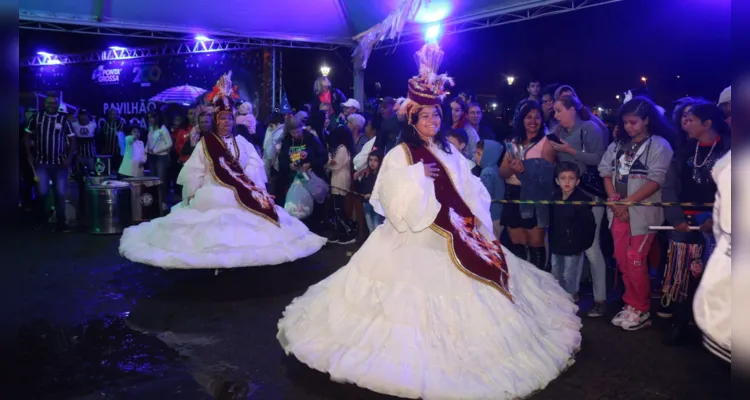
x: 318, y: 21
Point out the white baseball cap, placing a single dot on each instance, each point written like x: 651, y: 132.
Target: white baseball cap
x: 351, y: 103
x: 725, y: 96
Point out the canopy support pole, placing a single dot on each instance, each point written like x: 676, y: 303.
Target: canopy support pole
x: 359, y: 83
x: 273, y: 78
x: 281, y: 77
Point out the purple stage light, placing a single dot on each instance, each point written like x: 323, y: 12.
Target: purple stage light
x: 202, y: 38
x: 117, y: 48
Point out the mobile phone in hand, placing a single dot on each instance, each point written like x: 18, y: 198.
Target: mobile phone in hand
x: 511, y: 150
x: 554, y: 138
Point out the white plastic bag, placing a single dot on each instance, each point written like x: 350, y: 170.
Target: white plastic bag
x: 317, y: 187
x: 299, y: 203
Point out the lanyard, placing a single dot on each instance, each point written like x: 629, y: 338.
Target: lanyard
x: 624, y: 168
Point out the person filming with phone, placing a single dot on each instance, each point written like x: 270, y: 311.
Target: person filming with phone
x: 579, y: 139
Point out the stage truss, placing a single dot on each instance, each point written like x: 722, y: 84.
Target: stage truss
x: 186, y: 44
x: 183, y: 44
x: 498, y: 18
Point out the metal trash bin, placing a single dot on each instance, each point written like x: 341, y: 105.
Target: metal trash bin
x: 146, y: 199
x: 99, y: 179
x: 109, y: 207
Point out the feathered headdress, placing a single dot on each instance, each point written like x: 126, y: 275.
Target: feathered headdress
x: 224, y: 95
x: 427, y: 88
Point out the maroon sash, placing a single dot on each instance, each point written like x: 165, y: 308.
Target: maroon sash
x: 227, y: 171
x: 472, y: 253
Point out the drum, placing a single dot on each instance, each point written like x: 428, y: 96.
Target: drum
x: 147, y: 199
x: 109, y: 207
x: 103, y: 165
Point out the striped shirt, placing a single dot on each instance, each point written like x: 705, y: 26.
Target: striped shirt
x: 51, y: 135
x: 85, y: 139
x: 111, y: 140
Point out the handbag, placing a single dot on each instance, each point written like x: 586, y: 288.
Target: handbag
x: 591, y: 182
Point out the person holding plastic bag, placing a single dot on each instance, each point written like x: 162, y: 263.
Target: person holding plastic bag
x: 341, y: 147
x: 227, y: 218
x: 300, y: 152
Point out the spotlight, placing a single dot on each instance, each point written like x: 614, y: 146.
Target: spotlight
x: 432, y: 34
x: 202, y: 38
x: 511, y: 79
x: 117, y: 48
x: 44, y: 54
x: 325, y: 70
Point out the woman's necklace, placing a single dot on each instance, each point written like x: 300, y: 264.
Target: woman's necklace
x: 228, y: 141
x: 708, y: 156
x: 702, y: 175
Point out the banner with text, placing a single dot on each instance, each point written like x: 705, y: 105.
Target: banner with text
x: 127, y: 85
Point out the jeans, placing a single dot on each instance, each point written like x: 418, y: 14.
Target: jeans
x: 631, y: 253
x: 596, y: 259
x: 58, y: 174
x: 567, y: 270
x: 372, y: 218
x: 537, y: 183
x: 159, y: 166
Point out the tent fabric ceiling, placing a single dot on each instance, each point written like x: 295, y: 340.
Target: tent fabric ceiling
x: 319, y: 21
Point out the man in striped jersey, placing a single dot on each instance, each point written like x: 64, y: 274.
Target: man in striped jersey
x: 54, y: 144
x: 111, y: 136
x: 85, y: 131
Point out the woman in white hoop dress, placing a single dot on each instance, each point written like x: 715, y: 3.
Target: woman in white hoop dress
x: 226, y: 219
x: 429, y: 307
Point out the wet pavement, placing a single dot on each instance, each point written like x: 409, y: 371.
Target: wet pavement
x: 82, y: 323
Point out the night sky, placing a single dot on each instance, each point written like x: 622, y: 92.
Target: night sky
x: 600, y: 51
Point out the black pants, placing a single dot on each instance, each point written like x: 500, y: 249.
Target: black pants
x: 342, y: 222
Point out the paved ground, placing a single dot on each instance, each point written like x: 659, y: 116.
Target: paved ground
x: 83, y: 323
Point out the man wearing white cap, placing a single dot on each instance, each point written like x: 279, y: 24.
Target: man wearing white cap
x: 725, y: 102
x: 348, y: 108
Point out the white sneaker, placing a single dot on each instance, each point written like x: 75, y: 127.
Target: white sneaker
x: 622, y: 316
x: 636, y: 320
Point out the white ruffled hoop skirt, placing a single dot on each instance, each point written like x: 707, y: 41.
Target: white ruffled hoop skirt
x: 214, y: 232
x: 403, y: 320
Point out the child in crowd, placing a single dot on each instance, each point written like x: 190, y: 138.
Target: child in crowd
x: 341, y: 148
x: 458, y: 138
x: 366, y: 185
x: 572, y: 229
x: 487, y: 156
x: 634, y: 169
x: 134, y: 155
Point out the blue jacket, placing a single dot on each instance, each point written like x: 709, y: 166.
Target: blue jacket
x: 490, y: 175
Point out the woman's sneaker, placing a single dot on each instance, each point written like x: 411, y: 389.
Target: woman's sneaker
x: 622, y: 315
x: 636, y: 320
x: 597, y: 310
